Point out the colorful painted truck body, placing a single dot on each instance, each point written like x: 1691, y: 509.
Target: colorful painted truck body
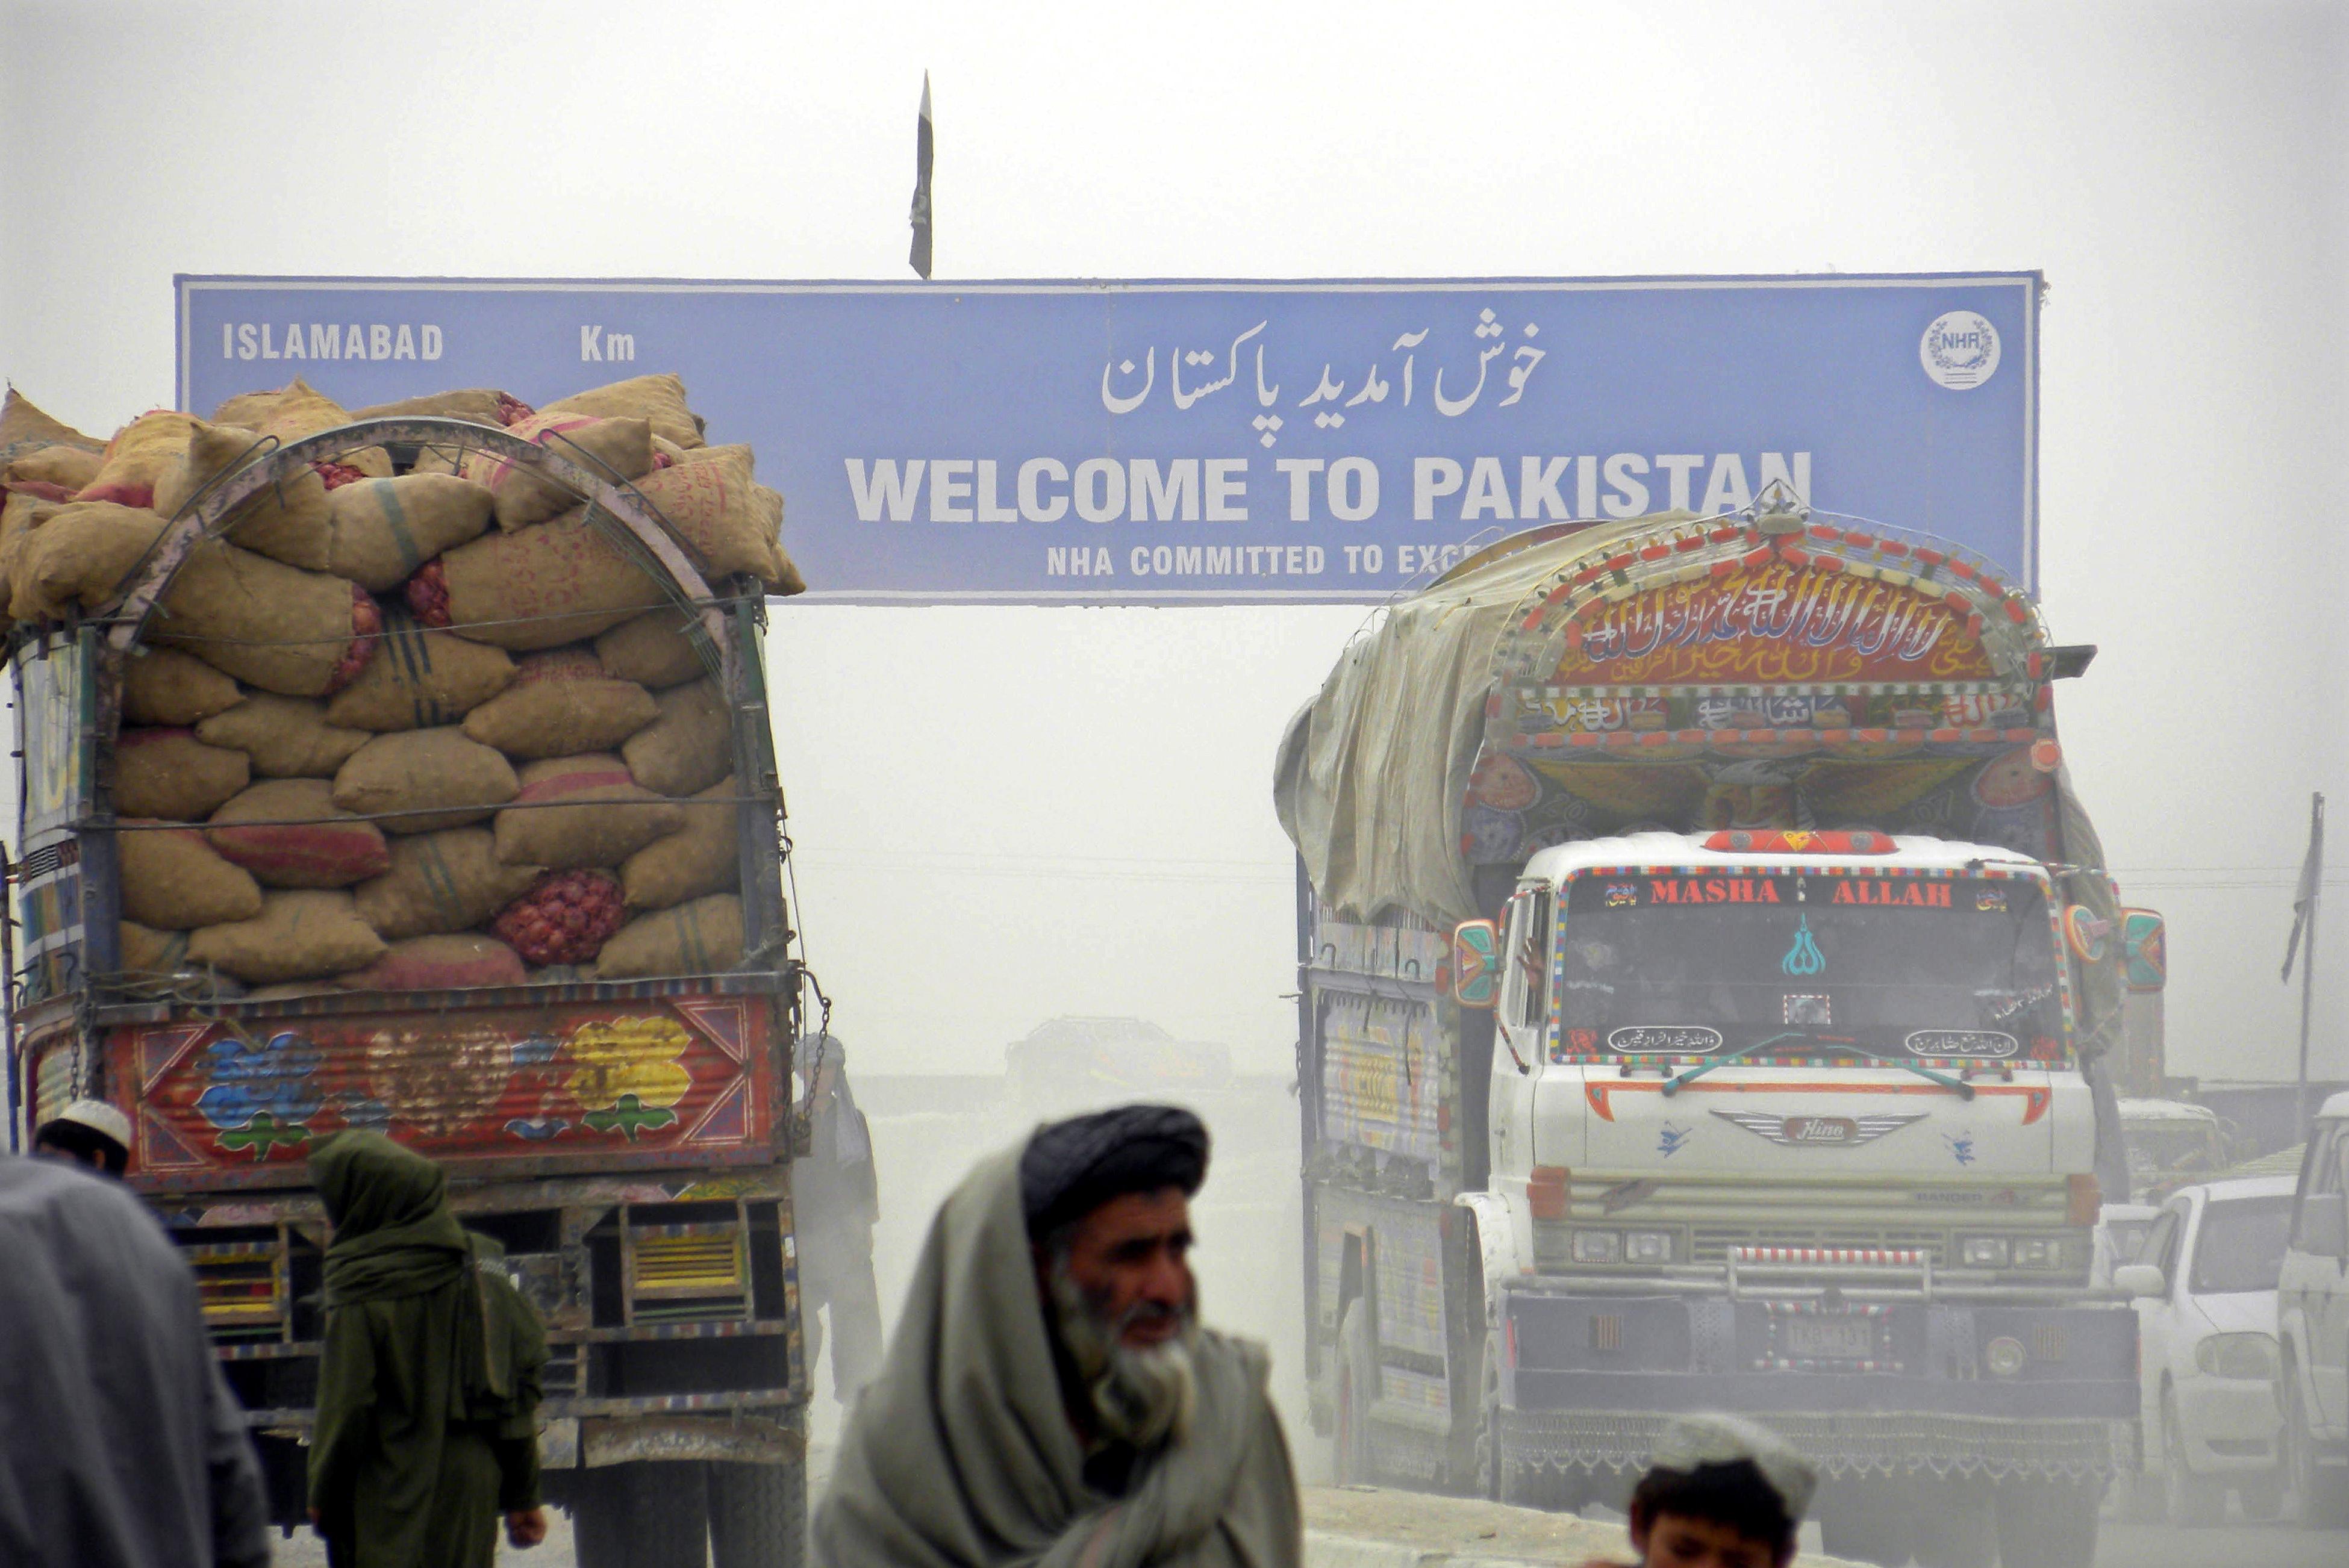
x: 630, y: 1142
x: 1772, y: 1088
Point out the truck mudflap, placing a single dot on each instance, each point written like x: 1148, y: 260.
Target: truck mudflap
x: 1863, y: 1388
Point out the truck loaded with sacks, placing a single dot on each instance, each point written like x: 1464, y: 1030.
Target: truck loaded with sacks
x: 409, y: 768
x: 1707, y: 973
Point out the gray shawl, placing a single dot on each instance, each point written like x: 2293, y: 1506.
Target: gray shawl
x: 960, y: 1454
x: 119, y: 1445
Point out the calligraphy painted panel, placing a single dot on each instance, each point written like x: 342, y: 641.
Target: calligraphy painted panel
x: 1774, y: 623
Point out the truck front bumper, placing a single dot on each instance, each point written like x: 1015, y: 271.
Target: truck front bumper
x: 1873, y: 1387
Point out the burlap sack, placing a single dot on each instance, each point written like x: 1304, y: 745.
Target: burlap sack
x: 703, y: 938
x: 385, y: 529
x: 164, y: 686
x: 545, y: 586
x: 688, y: 748
x: 560, y: 704
x: 572, y: 812
x: 295, y: 411
x: 606, y: 449
x: 730, y: 523
x: 436, y: 777
x: 439, y: 963
x: 299, y: 935
x: 21, y: 515
x: 79, y: 555
x: 173, y: 881
x: 24, y: 426
x: 288, y: 522
x: 478, y: 403
x: 297, y: 836
x: 296, y: 633
x: 660, y: 399
x: 652, y: 650
x: 141, y: 456
x: 170, y: 774
x: 286, y: 736
x: 440, y: 883
x: 419, y: 678
x: 143, y: 950
x: 700, y: 858
x: 70, y: 468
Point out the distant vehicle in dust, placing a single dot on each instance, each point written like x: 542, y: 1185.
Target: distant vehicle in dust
x: 1070, y: 1064
x: 2169, y: 1143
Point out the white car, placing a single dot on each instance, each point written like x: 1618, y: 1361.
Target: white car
x: 2206, y: 1287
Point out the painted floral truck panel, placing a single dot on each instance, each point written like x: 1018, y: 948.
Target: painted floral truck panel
x: 518, y: 1089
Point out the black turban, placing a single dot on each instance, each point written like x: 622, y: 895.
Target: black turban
x: 1071, y: 1168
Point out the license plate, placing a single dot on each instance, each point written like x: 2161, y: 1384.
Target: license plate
x: 1827, y: 1339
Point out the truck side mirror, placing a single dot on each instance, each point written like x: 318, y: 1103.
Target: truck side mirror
x: 1476, y: 964
x: 2323, y: 1228
x: 2138, y: 1282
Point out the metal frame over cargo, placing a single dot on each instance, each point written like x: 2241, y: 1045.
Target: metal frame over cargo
x: 655, y: 1237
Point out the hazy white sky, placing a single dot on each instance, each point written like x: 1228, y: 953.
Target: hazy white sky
x: 1005, y: 814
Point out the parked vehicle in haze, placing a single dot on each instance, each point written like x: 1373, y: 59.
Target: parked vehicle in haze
x: 1773, y: 1085
x: 2313, y: 1323
x: 2170, y: 1142
x: 2206, y: 1289
x: 626, y: 1133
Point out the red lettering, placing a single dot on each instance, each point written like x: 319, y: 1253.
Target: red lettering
x: 1936, y: 894
x: 1843, y: 894
x: 1769, y: 892
x: 1716, y: 891
x: 1663, y: 892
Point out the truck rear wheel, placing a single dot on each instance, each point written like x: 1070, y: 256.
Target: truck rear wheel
x: 1357, y: 1387
x: 2045, y: 1523
x: 1868, y: 1520
x: 1957, y: 1523
x: 642, y: 1515
x: 758, y: 1515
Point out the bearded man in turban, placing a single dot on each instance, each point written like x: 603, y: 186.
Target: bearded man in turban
x: 1049, y: 1397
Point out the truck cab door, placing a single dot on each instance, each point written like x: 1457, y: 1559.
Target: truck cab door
x: 1520, y: 1022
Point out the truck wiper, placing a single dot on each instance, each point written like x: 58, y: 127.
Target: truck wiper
x: 1672, y: 1085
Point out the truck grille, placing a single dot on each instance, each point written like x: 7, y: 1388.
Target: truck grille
x: 241, y: 1287
x: 1711, y: 1243
x: 687, y: 1273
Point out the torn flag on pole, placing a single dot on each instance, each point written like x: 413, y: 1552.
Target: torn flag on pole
x: 2311, y: 879
x: 920, y: 255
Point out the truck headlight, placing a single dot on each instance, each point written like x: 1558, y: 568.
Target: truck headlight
x: 1648, y: 1246
x: 2004, y: 1356
x: 1597, y: 1246
x: 2237, y: 1356
x: 2037, y: 1253
x: 1982, y: 1252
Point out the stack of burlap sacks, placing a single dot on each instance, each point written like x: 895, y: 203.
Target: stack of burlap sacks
x: 411, y: 726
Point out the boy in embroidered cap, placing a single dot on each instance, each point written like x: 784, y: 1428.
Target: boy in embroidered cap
x: 1720, y: 1492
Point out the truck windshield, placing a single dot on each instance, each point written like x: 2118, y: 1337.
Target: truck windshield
x: 1804, y: 964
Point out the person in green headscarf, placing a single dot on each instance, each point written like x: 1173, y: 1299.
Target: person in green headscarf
x: 429, y: 1384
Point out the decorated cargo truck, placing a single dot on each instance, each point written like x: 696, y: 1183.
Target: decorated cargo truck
x: 1705, y: 968
x: 412, y: 772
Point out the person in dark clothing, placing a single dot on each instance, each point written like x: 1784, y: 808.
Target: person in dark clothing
x: 429, y: 1382
x: 836, y: 1199
x: 119, y: 1445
